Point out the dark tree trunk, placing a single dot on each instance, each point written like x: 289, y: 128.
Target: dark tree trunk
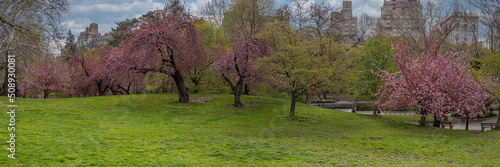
x: 422, y: 121
x: 181, y: 88
x: 354, y: 108
x: 498, y: 118
x: 247, y: 89
x: 196, y: 81
x: 102, y: 88
x: 309, y: 96
x: 498, y: 121
x: 237, y: 90
x: 437, y: 122
x: 375, y: 109
x: 423, y: 112
x: 126, y: 90
x: 467, y: 123
x: 46, y: 94
x: 292, y: 105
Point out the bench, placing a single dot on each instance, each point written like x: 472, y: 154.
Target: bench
x: 429, y: 123
x: 487, y: 125
x: 445, y: 123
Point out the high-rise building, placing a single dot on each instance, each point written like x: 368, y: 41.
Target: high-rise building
x: 462, y: 28
x: 347, y: 24
x: 399, y: 17
x: 91, y: 38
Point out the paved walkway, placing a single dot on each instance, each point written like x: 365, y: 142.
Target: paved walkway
x: 474, y: 124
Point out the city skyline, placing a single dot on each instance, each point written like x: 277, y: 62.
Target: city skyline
x: 107, y: 12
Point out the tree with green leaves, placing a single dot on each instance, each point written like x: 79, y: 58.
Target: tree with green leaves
x: 294, y: 62
x: 118, y: 34
x: 489, y: 74
x: 375, y: 55
x: 69, y: 47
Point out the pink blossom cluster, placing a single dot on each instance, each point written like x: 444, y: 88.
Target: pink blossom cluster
x: 436, y: 83
x: 239, y: 62
x: 47, y: 76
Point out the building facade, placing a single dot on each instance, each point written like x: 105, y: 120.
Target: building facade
x: 347, y: 24
x: 91, y: 38
x: 400, y: 17
x: 461, y: 28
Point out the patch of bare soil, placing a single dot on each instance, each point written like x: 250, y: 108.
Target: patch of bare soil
x: 201, y: 99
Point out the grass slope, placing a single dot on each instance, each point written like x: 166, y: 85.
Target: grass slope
x: 153, y: 130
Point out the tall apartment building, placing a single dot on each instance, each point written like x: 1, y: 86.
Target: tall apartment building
x: 399, y: 17
x: 348, y: 25
x: 91, y: 38
x: 462, y: 28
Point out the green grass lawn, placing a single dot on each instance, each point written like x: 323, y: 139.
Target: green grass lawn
x: 154, y: 130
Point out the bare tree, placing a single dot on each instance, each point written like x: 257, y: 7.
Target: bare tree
x: 489, y: 12
x: 216, y: 9
x: 366, y: 26
x: 253, y: 14
x: 417, y: 22
x: 30, y: 26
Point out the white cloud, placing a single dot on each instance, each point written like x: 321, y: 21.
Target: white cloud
x: 366, y: 9
x: 372, y: 3
x: 335, y: 3
x: 119, y: 7
x: 193, y: 7
x: 71, y: 24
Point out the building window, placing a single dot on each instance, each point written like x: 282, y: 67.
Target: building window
x: 465, y: 39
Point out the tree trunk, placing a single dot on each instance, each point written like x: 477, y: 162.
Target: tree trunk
x: 196, y: 81
x: 247, y: 89
x: 437, y: 122
x: 309, y: 96
x: 467, y: 123
x: 46, y: 94
x: 354, y: 104
x: 498, y: 117
x: 375, y: 109
x: 101, y: 88
x: 292, y: 105
x: 422, y: 121
x: 181, y: 88
x: 498, y: 121
x: 237, y: 90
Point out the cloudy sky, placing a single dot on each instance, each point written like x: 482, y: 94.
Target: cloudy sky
x: 107, y: 12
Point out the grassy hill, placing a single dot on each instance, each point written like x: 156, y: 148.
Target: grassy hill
x: 154, y: 130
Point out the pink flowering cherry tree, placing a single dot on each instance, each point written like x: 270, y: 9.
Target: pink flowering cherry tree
x: 437, y: 84
x: 47, y: 76
x: 237, y: 66
x: 92, y: 73
x: 166, y: 42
